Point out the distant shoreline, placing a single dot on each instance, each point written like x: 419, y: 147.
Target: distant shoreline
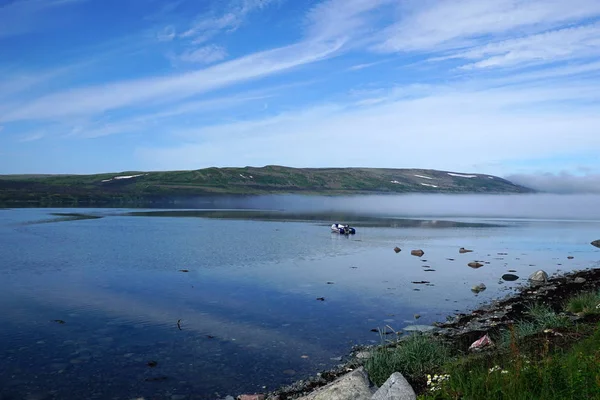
x: 161, y: 188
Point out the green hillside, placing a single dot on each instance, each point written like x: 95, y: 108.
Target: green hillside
x: 145, y: 188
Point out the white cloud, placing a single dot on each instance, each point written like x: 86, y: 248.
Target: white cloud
x: 101, y: 98
x: 434, y: 26
x: 32, y: 137
x: 166, y: 34
x: 450, y: 128
x: 208, y: 26
x: 563, y: 182
x: 573, y: 42
x: 204, y: 55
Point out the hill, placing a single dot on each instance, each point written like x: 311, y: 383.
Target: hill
x: 147, y: 188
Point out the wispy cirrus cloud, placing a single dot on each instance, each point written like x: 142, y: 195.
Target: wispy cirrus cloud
x: 434, y: 26
x: 21, y: 16
x: 208, y: 25
x: 425, y: 127
x: 204, y: 55
x: 101, y: 98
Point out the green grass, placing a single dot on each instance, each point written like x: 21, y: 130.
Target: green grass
x: 413, y: 357
x: 563, y: 374
x: 586, y: 303
x: 541, y: 317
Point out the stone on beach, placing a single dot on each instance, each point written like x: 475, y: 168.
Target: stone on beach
x: 539, y: 276
x: 396, y: 388
x: 352, y: 386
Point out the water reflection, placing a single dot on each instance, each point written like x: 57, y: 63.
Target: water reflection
x: 248, y: 305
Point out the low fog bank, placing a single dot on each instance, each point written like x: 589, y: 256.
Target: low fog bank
x: 558, y: 183
x: 545, y: 206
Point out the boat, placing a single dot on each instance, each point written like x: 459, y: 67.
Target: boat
x: 343, y: 229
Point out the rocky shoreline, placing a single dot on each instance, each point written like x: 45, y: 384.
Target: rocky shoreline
x: 461, y: 330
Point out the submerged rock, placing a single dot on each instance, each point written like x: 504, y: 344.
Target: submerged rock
x: 510, y: 277
x: 478, y: 288
x: 418, y: 253
x: 419, y: 328
x: 354, y: 385
x: 396, y: 387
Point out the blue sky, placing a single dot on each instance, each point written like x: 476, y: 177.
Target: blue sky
x: 494, y: 86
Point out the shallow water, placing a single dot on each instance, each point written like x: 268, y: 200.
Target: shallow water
x: 247, y: 306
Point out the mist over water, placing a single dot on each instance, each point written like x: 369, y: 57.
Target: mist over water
x: 539, y: 206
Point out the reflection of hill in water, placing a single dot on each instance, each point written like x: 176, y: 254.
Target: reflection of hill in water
x: 326, y: 218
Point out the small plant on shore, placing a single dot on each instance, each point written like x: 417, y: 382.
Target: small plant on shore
x: 542, y: 317
x: 585, y: 302
x: 414, y: 357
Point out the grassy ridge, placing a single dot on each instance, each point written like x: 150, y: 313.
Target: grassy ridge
x: 149, y: 187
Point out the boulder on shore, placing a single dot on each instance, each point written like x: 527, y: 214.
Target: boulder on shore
x: 352, y: 386
x: 539, y: 277
x: 397, y: 388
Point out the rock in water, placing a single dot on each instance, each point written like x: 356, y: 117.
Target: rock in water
x: 539, y: 276
x: 596, y: 243
x: 397, y: 249
x: 475, y: 264
x: 354, y: 385
x: 396, y: 387
x: 478, y: 288
x: 418, y: 253
x: 462, y: 250
x: 510, y: 277
x: 419, y: 328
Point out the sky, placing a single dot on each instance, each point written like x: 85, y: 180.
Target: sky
x: 503, y: 87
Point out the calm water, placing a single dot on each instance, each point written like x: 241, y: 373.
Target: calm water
x: 247, y: 307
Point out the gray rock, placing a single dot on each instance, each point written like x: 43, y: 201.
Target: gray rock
x: 420, y: 328
x: 579, y: 280
x: 539, y: 276
x: 352, y: 386
x: 478, y: 288
x: 596, y: 243
x: 395, y: 388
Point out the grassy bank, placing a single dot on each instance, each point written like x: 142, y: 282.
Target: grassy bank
x: 549, y: 353
x: 136, y: 188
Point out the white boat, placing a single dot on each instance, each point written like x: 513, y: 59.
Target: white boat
x: 343, y: 229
